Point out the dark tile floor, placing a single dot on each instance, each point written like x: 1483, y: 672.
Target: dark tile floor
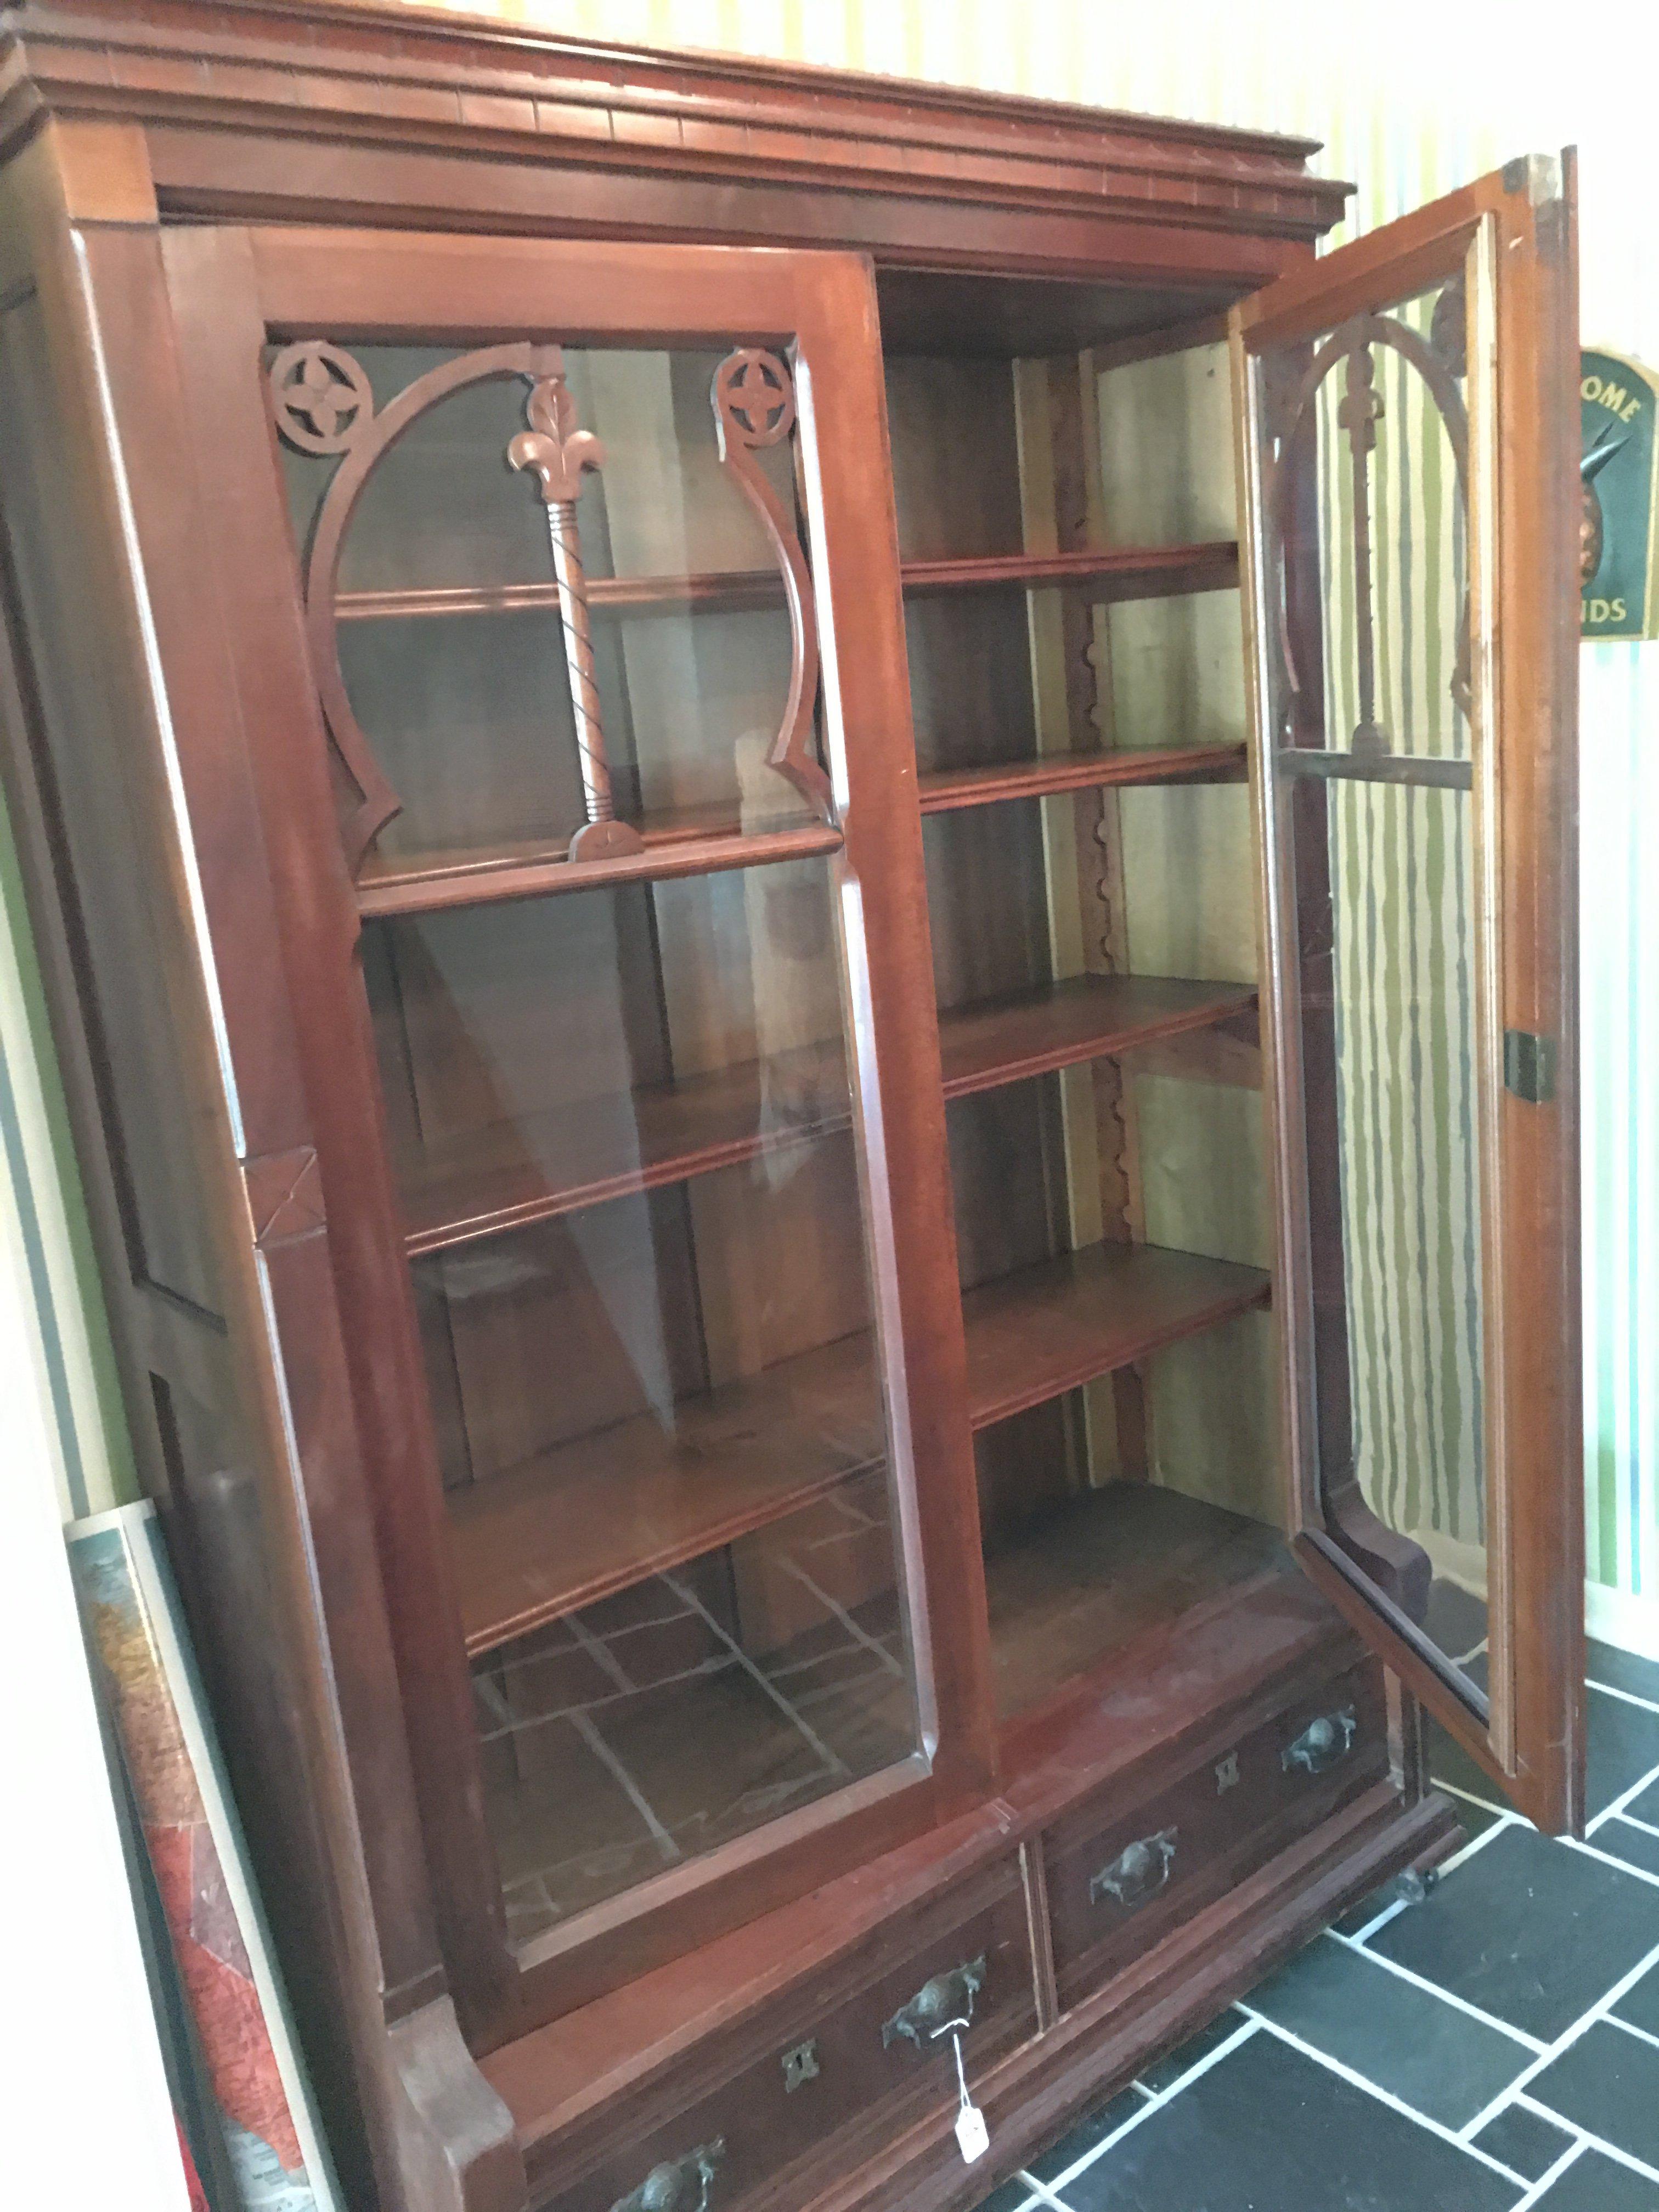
x: 1493, y: 2049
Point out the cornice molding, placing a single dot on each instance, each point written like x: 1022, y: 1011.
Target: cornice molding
x: 435, y: 81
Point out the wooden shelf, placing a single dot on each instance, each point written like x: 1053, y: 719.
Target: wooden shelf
x: 1127, y: 572
x: 1120, y: 572
x: 592, y: 1517
x: 601, y: 1148
x: 693, y: 841
x: 577, y: 1523
x: 1044, y: 1330
x: 1104, y: 1570
x: 985, y: 785
x: 1086, y: 1017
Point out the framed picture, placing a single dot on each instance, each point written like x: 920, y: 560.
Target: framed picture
x: 235, y: 2056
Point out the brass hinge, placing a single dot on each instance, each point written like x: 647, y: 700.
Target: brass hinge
x: 1529, y: 1065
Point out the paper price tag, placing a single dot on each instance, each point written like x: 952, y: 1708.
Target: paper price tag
x: 973, y: 2136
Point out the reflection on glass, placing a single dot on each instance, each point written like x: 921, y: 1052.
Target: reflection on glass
x: 622, y: 1124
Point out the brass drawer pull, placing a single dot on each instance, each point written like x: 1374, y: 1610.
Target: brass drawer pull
x: 1322, y: 1742
x: 1138, y: 1873
x: 679, y: 2184
x: 945, y: 2001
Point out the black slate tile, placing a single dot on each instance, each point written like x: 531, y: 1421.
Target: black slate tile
x: 1607, y: 2084
x: 1455, y: 1620
x: 1009, y: 2198
x: 1265, y: 2127
x: 1640, y: 2002
x: 1624, y: 1746
x: 1426, y: 2052
x: 1595, y: 2183
x: 1637, y: 1847
x: 1182, y: 2060
x: 1524, y: 2141
x: 1527, y: 1930
x: 1088, y: 2133
x: 1622, y: 1670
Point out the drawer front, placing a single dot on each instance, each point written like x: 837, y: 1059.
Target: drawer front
x: 1118, y: 1879
x: 816, y: 2062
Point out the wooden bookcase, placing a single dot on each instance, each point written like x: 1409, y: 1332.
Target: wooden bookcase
x: 805, y: 853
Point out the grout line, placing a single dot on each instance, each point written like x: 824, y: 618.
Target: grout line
x: 1542, y: 2112
x: 1620, y: 1803
x: 1600, y: 2010
x: 1141, y: 2090
x: 1388, y: 1912
x: 1631, y: 1821
x: 1624, y: 1697
x: 1446, y: 1996
x: 1504, y: 1812
x: 1479, y: 1843
x: 1590, y: 1851
x: 1473, y: 1652
x: 1357, y: 2081
x: 625, y: 1782
x: 1569, y: 2156
x: 833, y: 1605
x: 1158, y: 2101
x: 1039, y: 2195
x: 1631, y: 2028
x: 689, y: 1598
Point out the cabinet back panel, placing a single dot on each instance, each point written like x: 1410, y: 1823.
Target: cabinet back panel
x: 956, y: 456
x: 986, y: 902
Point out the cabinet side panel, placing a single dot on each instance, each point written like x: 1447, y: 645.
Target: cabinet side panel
x: 120, y: 1001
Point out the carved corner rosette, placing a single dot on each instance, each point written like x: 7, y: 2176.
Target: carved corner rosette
x: 753, y: 398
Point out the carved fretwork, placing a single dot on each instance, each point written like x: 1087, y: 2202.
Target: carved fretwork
x: 1293, y: 417
x: 753, y: 398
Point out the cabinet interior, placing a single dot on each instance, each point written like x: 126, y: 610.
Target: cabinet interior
x: 622, y: 1118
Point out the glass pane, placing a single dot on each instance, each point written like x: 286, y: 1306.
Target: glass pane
x: 622, y: 1122
x: 1364, y: 508
x: 449, y: 629
x: 1402, y: 881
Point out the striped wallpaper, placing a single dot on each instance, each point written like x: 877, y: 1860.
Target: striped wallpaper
x: 1409, y: 101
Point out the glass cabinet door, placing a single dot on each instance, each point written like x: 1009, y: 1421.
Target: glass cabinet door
x: 578, y: 577
x: 1411, y: 522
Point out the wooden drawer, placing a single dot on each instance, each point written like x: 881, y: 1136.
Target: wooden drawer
x: 831, y: 2053
x: 1118, y: 1875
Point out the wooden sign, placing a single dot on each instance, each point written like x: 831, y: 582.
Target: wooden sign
x: 1619, y: 470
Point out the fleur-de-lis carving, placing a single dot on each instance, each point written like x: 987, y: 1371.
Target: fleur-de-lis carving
x: 554, y: 449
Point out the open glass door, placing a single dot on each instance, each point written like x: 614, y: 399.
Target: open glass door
x: 1408, y: 423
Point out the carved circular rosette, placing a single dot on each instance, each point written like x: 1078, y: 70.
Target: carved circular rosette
x: 319, y: 396
x: 754, y: 396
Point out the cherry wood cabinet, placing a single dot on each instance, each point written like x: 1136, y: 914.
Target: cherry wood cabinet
x: 805, y: 852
